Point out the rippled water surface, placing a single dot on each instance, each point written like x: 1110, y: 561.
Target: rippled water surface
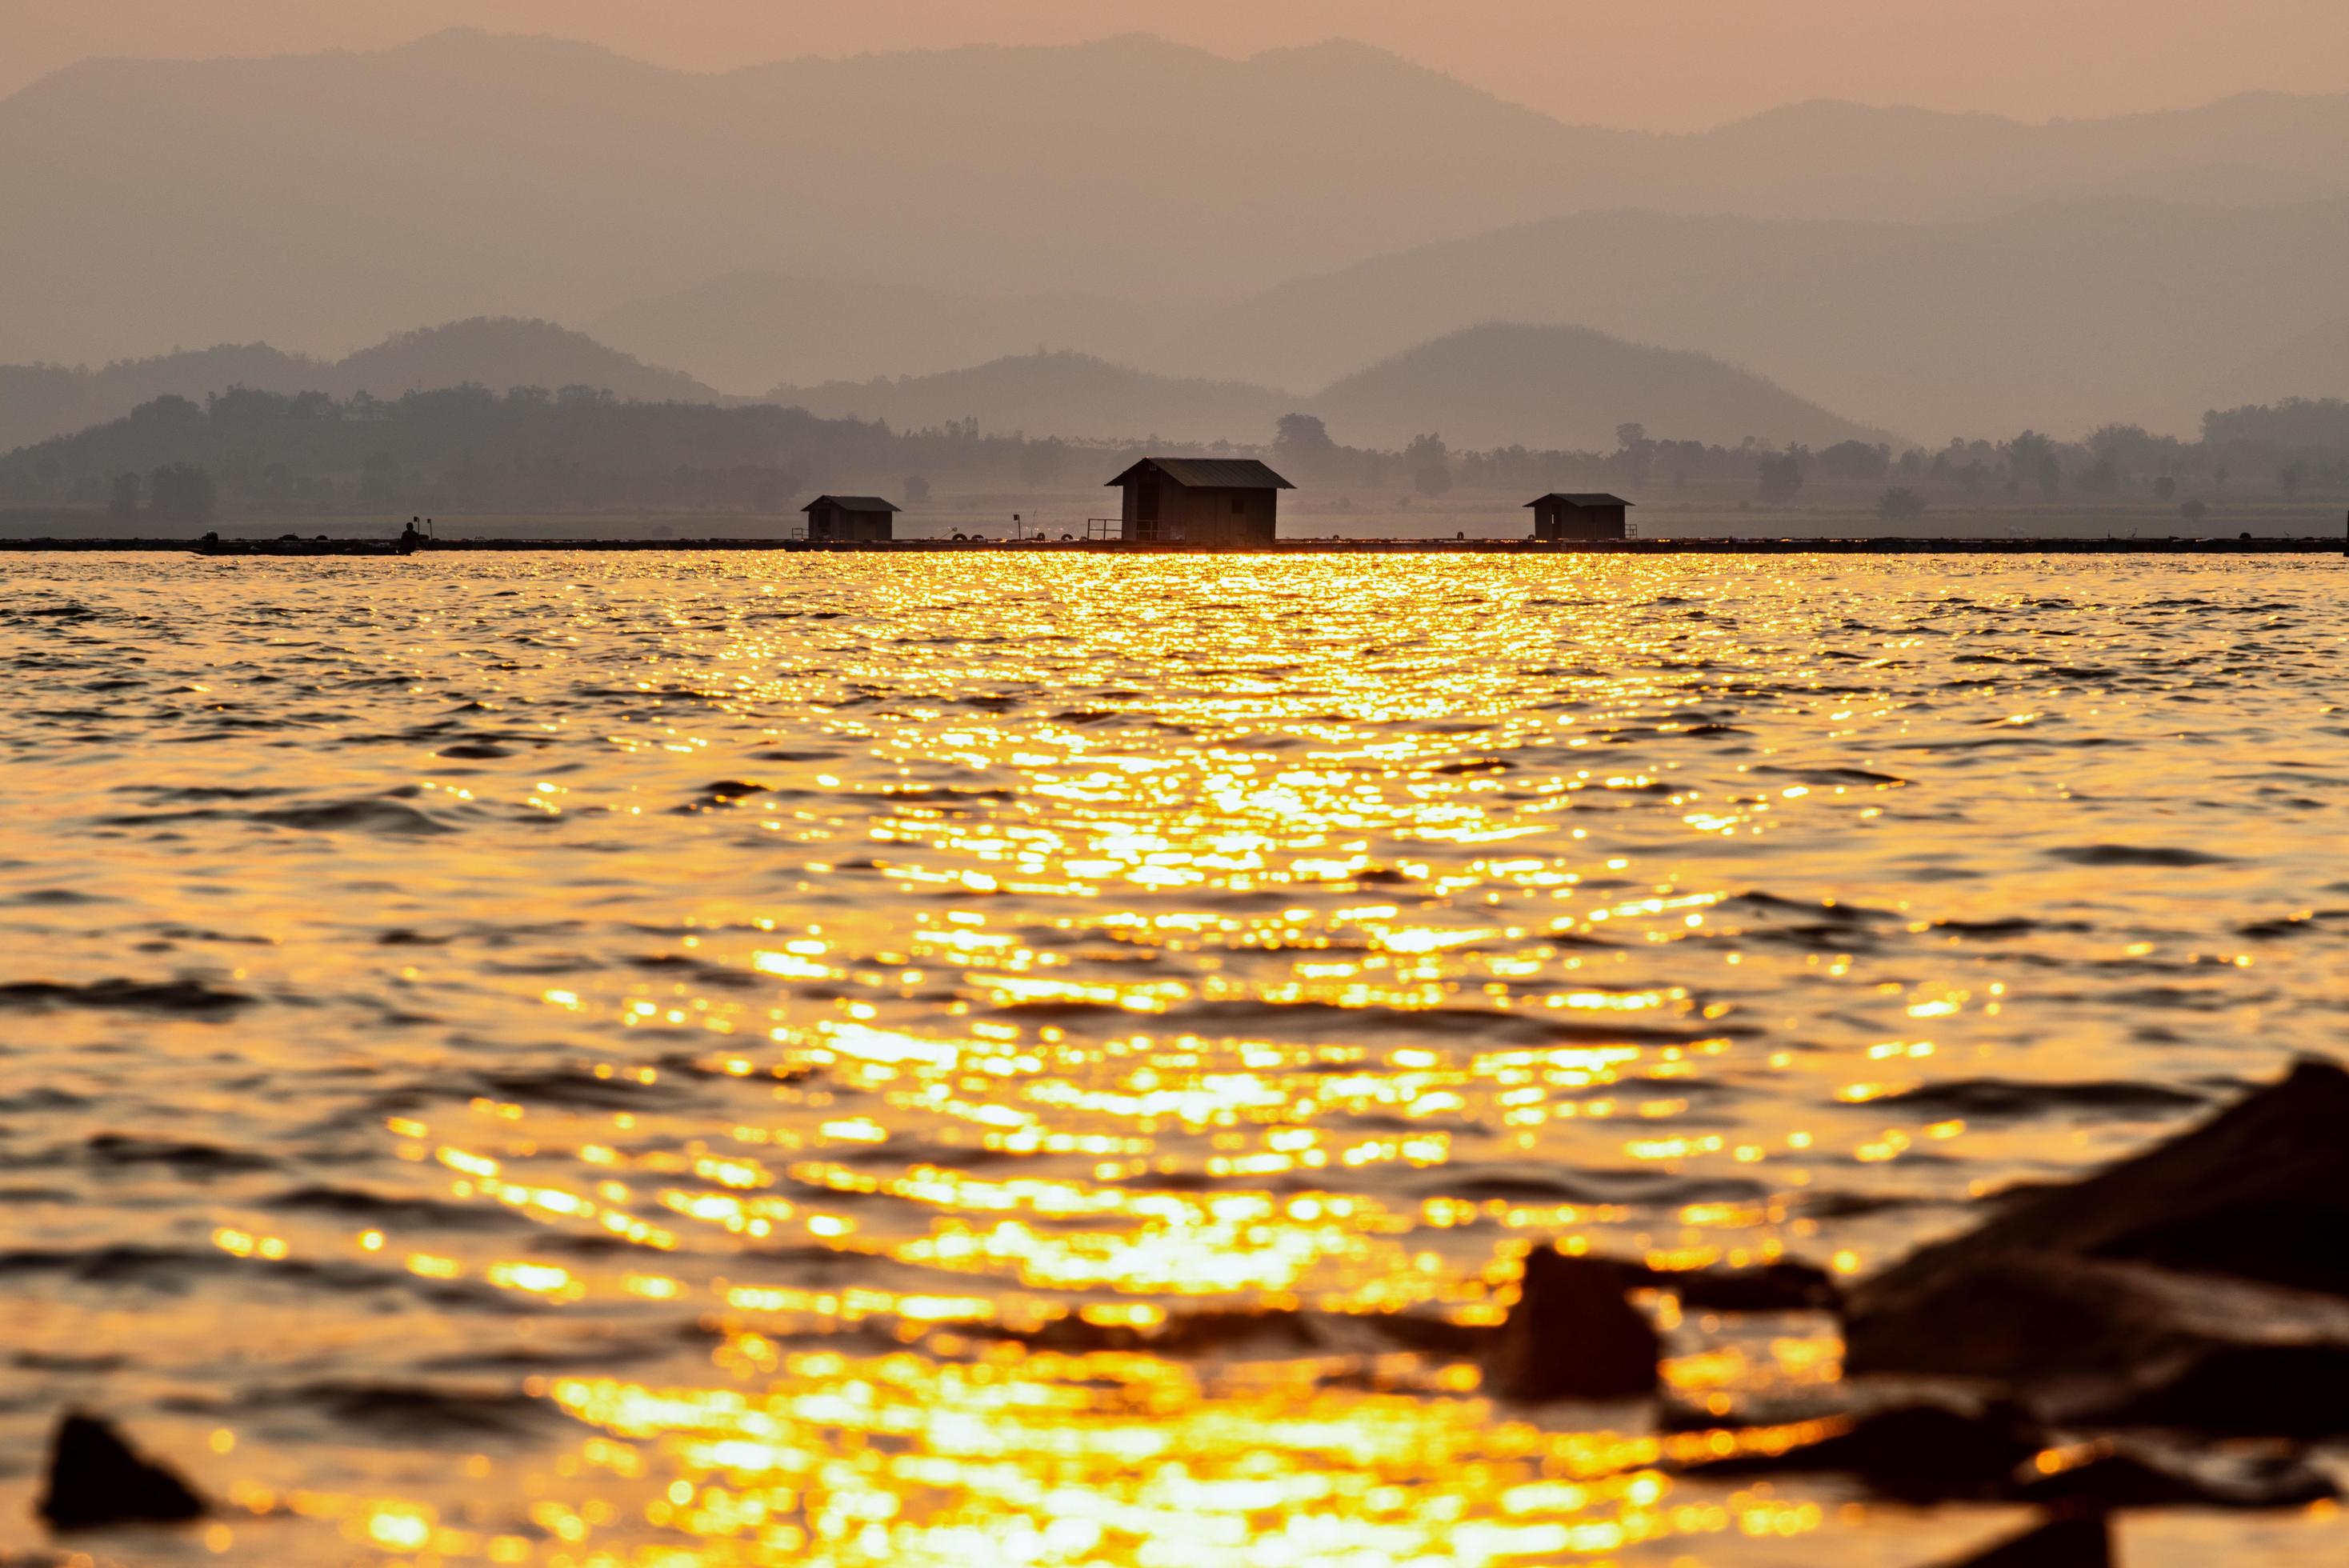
x: 722, y: 1060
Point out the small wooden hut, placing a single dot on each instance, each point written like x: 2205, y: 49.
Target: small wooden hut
x: 849, y: 519
x: 1200, y: 501
x: 1560, y: 516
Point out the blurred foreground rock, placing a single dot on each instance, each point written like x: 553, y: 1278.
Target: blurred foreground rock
x: 2204, y: 1285
x: 97, y: 1479
x: 1917, y: 1453
x: 1572, y: 1335
x: 1933, y: 1453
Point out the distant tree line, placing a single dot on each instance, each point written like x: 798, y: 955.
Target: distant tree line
x: 470, y: 450
x: 2290, y: 448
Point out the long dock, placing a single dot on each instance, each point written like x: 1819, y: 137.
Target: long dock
x: 2303, y: 545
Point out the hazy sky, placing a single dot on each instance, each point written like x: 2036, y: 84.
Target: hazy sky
x: 1648, y: 64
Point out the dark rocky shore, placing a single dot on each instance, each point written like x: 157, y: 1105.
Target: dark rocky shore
x: 2081, y: 1350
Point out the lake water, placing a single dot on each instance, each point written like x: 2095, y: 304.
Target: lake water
x: 583, y: 1059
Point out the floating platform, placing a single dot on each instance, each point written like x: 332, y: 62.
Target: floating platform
x: 273, y: 547
x: 2304, y: 545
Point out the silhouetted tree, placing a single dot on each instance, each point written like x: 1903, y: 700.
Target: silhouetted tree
x: 122, y: 498
x: 2194, y: 510
x: 1899, y: 504
x: 1781, y: 478
x: 1301, y: 448
x: 2026, y: 458
x: 917, y: 489
x: 2165, y: 488
x: 2289, y: 478
x: 1429, y: 462
x: 1635, y: 455
x: 1854, y: 460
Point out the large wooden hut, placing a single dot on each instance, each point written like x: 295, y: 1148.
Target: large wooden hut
x: 1579, y: 515
x: 1200, y: 501
x: 849, y: 519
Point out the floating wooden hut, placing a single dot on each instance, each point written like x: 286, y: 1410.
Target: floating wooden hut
x: 1199, y: 500
x: 849, y: 519
x: 1563, y: 515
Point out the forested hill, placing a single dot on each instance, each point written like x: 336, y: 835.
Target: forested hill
x: 37, y: 401
x: 528, y: 449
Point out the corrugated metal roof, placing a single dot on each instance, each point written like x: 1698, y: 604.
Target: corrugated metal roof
x: 1210, y: 473
x: 1581, y: 498
x: 851, y: 503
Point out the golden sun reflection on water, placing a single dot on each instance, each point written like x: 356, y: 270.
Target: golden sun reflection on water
x: 846, y: 1024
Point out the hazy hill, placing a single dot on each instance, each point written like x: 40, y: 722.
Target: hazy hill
x: 2314, y: 365
x: 746, y: 332
x: 502, y: 352
x: 1062, y: 393
x: 1566, y: 386
x: 1492, y: 386
x: 315, y: 202
x: 1847, y: 161
x: 37, y: 401
x: 2062, y: 314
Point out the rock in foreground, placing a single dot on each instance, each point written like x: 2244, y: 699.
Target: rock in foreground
x: 1931, y: 1453
x: 97, y: 1479
x: 2204, y: 1283
x: 2259, y: 1192
x: 1917, y: 1453
x: 1572, y: 1336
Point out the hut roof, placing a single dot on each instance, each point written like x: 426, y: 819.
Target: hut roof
x: 849, y: 503
x: 1209, y: 473
x: 1581, y: 498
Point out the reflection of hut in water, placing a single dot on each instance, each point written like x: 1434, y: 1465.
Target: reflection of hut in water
x: 1560, y: 515
x: 846, y: 519
x: 1200, y: 501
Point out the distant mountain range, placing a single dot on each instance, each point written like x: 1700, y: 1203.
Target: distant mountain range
x: 1490, y: 386
x: 1495, y: 385
x: 37, y: 401
x: 315, y: 202
x: 2062, y: 316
